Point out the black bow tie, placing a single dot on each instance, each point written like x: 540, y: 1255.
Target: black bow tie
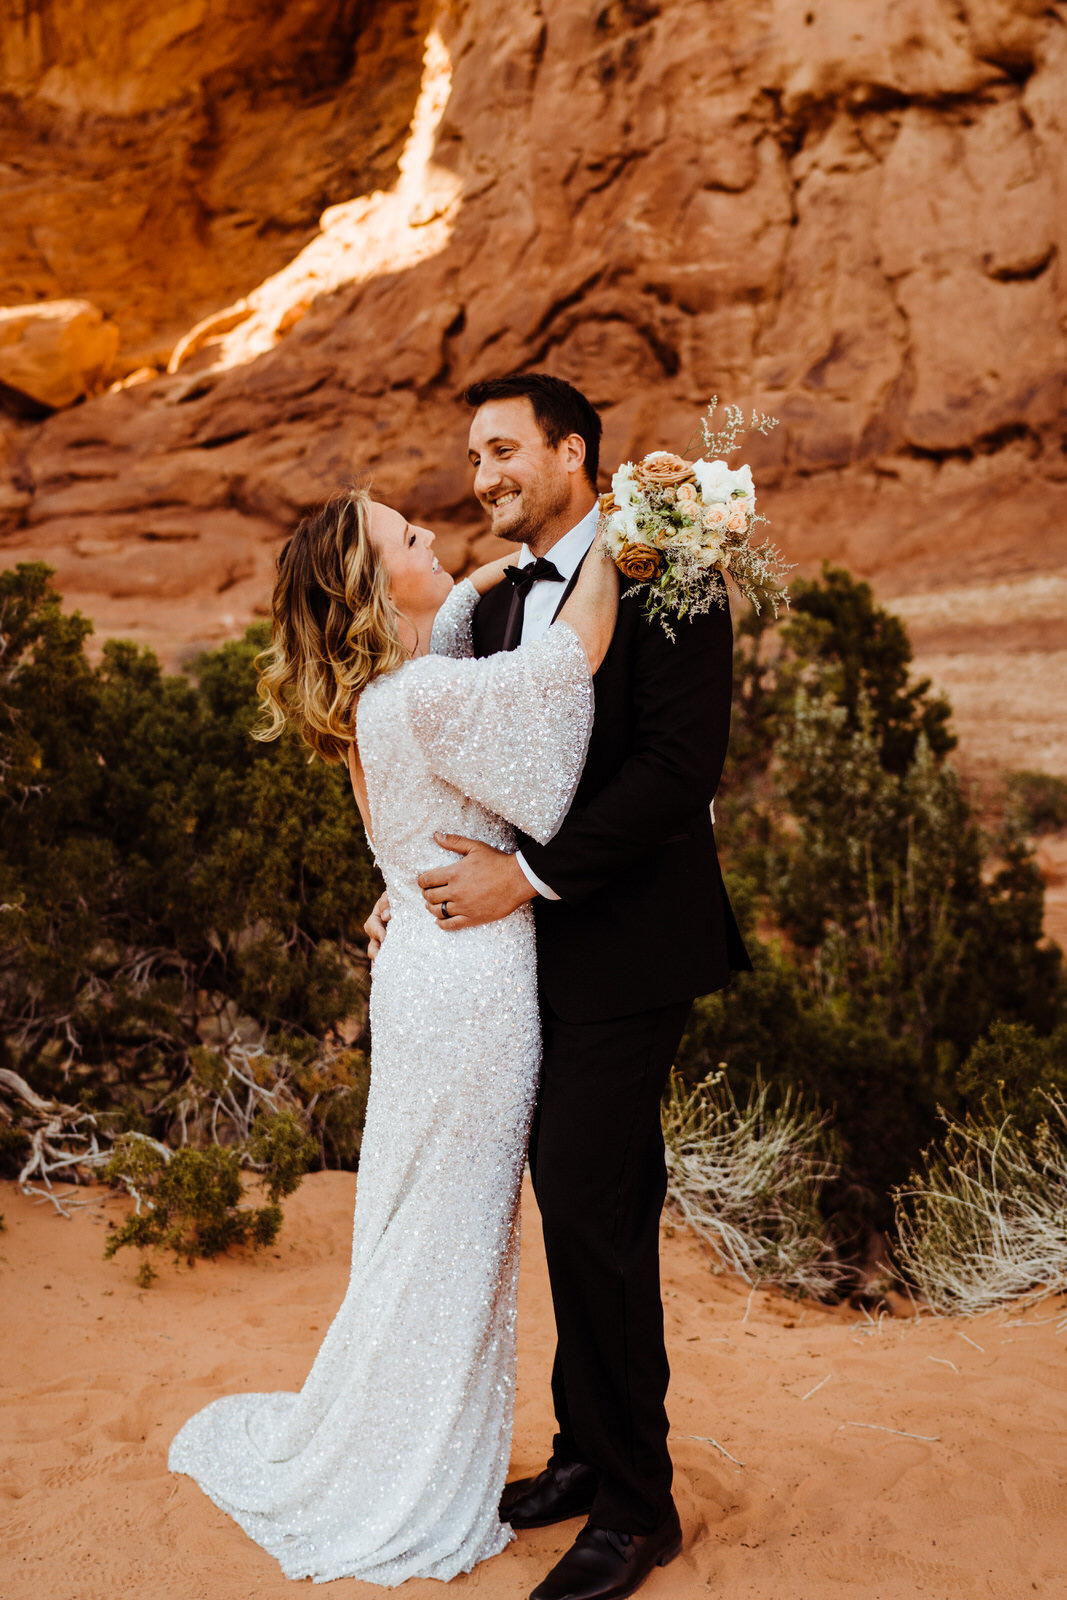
x: 537, y: 571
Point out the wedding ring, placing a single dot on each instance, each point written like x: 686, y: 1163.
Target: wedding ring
x: 445, y: 913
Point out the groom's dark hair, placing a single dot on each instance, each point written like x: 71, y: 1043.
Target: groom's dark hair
x: 559, y: 407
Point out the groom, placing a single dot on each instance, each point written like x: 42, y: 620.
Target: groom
x: 632, y: 923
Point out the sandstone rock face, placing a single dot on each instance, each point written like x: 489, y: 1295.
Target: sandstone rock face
x: 16, y: 485
x: 162, y: 157
x: 851, y: 215
x: 56, y: 352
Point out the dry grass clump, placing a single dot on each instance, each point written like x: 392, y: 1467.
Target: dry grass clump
x: 747, y: 1178
x: 986, y: 1221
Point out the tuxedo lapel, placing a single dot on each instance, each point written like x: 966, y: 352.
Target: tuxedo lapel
x: 491, y: 619
x: 513, y: 625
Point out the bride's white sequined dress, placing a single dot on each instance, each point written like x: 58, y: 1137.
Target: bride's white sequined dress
x: 389, y: 1462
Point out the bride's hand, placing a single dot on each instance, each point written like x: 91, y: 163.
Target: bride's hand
x: 487, y: 577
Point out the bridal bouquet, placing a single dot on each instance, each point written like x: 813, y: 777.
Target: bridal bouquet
x: 673, y: 526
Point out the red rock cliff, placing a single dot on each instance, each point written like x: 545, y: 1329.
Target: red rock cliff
x: 851, y: 214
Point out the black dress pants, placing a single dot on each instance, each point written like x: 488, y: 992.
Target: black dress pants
x: 596, y: 1156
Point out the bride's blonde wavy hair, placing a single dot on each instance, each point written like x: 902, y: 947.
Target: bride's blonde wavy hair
x: 333, y: 629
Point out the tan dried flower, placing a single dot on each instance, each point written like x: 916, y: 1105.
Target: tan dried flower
x: 639, y: 562
x: 663, y: 470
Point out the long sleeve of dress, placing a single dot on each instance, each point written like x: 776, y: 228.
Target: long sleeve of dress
x: 511, y: 730
x: 452, y: 627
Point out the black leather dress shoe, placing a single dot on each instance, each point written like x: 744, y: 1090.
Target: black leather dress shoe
x: 564, y: 1489
x: 604, y: 1565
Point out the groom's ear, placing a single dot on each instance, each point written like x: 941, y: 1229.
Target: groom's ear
x: 572, y: 449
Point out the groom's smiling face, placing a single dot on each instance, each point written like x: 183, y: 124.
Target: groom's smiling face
x: 524, y: 483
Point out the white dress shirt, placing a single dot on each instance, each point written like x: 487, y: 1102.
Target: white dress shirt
x: 542, y: 602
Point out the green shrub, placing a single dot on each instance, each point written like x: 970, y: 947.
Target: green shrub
x: 323, y: 1083
x: 165, y: 880
x: 189, y: 1201
x: 1037, y: 801
x: 769, y: 1026
x: 883, y: 879
x: 181, y: 915
x: 1013, y: 1071
x: 888, y: 932
x: 859, y: 655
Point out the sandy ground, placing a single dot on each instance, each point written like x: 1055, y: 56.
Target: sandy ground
x: 99, y: 1374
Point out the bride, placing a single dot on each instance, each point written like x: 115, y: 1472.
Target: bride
x: 390, y: 1461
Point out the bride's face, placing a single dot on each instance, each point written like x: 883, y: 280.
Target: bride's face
x: 417, y: 581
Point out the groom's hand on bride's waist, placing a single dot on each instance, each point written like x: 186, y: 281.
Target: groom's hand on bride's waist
x: 482, y: 885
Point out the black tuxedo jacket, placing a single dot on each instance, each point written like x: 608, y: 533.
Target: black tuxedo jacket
x: 643, y: 919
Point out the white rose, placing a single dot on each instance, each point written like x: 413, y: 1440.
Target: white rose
x: 628, y: 522
x: 715, y: 479
x: 613, y: 533
x: 623, y: 486
x: 743, y: 482
x: 720, y: 482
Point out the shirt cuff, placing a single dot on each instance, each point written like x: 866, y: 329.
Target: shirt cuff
x: 541, y: 887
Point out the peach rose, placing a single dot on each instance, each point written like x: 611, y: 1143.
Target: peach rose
x: 737, y: 521
x: 716, y: 515
x: 686, y: 495
x: 662, y: 470
x: 639, y: 562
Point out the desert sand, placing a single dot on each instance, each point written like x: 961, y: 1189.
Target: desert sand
x: 818, y: 1502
